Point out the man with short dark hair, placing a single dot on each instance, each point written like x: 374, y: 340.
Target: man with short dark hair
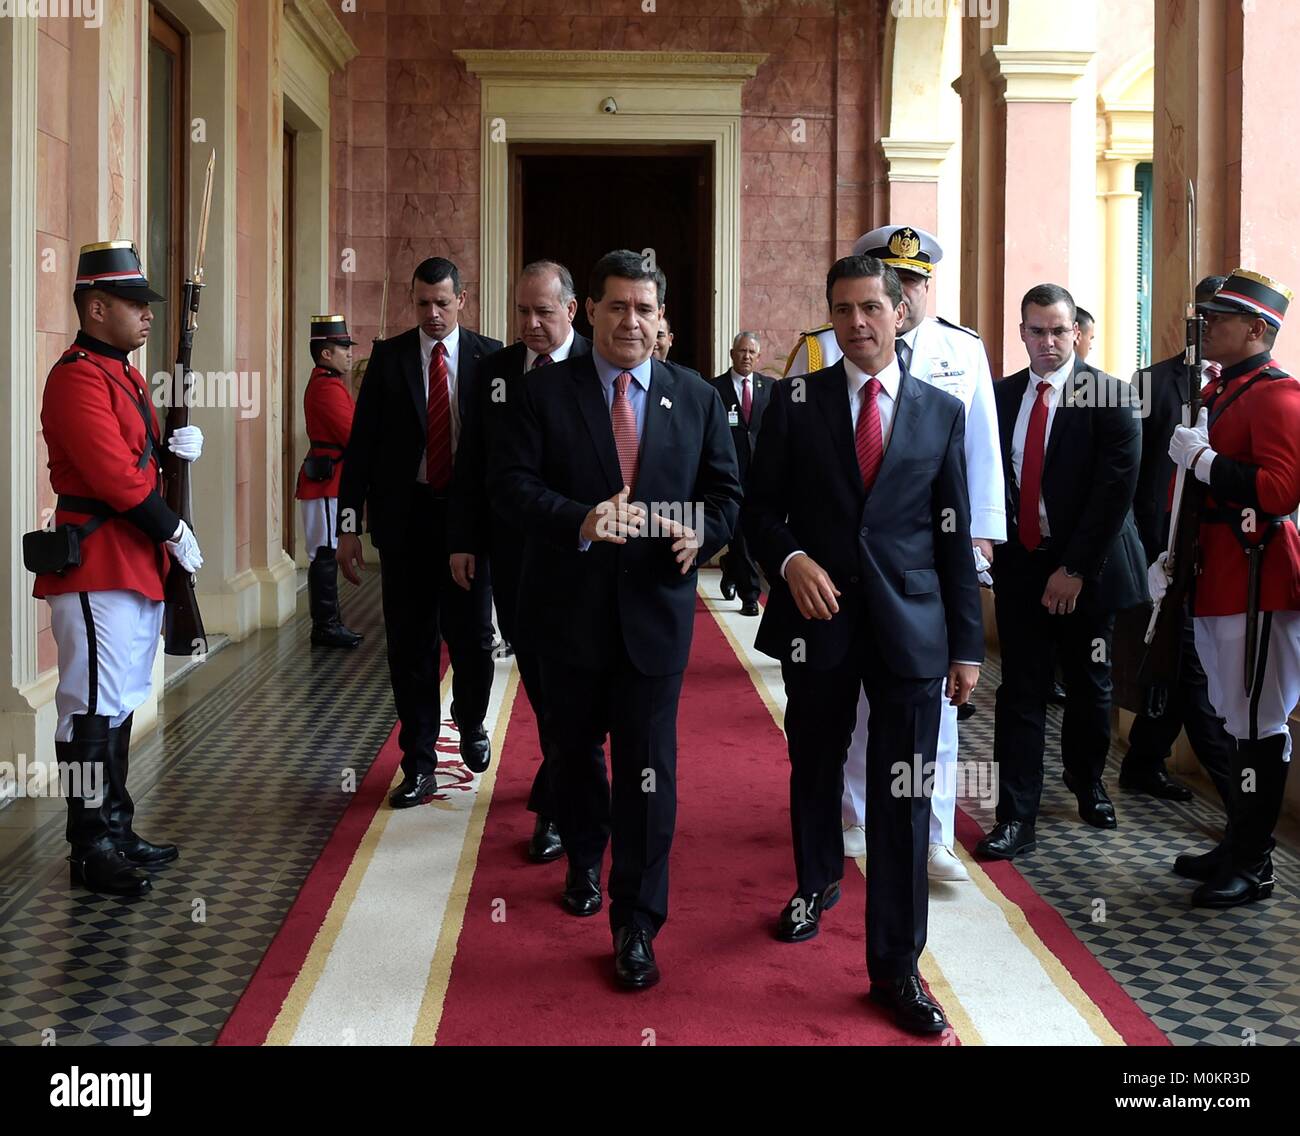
x: 858, y: 510
x: 1087, y: 324
x: 607, y: 593
x: 663, y: 340
x: 545, y: 304
x: 744, y: 393
x: 398, y: 467
x: 1071, y: 444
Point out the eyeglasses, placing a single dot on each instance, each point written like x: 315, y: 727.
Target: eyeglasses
x: 1047, y: 332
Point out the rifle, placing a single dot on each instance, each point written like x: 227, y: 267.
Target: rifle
x: 1164, y: 636
x: 359, y: 367
x: 182, y: 624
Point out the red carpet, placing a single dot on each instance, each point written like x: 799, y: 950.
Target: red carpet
x: 543, y: 977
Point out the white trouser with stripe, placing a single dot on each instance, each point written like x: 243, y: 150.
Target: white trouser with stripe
x: 943, y: 804
x: 320, y: 518
x: 1221, y: 645
x: 106, y: 642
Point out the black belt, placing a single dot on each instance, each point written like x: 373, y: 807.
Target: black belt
x: 326, y: 446
x: 1233, y: 516
x: 429, y: 493
x: 88, y: 505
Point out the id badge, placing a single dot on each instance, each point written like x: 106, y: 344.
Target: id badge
x: 733, y: 417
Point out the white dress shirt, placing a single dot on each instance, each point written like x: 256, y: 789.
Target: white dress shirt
x: 557, y: 356
x: 886, y: 400
x: 738, y: 383
x: 451, y: 343
x: 1058, y: 380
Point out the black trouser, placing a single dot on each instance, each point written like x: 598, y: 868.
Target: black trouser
x: 1029, y: 638
x: 738, y: 567
x: 639, y: 714
x: 422, y: 605
x: 1151, y: 738
x: 821, y: 708
x: 506, y: 558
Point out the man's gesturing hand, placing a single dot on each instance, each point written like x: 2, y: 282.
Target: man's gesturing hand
x: 686, y: 545
x: 614, y: 520
x: 350, y: 557
x: 814, y: 592
x: 1062, y: 592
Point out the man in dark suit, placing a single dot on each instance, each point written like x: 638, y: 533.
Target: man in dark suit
x: 1070, y: 448
x: 1151, y: 737
x: 545, y: 304
x: 744, y: 395
x: 607, y: 592
x: 857, y: 508
x: 411, y: 410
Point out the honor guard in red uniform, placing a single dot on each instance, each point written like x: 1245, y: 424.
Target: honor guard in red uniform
x: 1245, y: 447
x: 328, y: 408
x: 102, y: 564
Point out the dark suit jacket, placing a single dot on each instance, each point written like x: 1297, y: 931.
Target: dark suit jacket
x: 900, y: 557
x: 1090, y: 471
x: 390, y: 429
x: 1165, y: 384
x: 744, y: 438
x: 558, y: 461
x: 472, y: 525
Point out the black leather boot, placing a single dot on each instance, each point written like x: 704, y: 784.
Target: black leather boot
x: 121, y: 809
x: 96, y: 863
x: 327, y: 628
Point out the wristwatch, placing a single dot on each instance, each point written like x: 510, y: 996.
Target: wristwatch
x: 1072, y: 573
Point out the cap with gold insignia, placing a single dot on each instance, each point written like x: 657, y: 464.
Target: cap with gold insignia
x: 902, y: 247
x: 1250, y: 293
x: 331, y: 329
x: 114, y: 267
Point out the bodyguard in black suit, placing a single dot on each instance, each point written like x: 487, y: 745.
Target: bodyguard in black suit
x: 1071, y: 444
x: 744, y: 392
x: 857, y: 509
x: 545, y: 305
x: 607, y: 594
x: 1151, y: 738
x: 411, y: 412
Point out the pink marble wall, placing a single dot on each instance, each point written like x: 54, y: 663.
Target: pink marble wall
x: 406, y: 127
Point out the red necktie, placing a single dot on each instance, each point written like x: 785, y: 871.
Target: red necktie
x: 623, y: 418
x: 746, y: 401
x: 867, y: 439
x: 437, y: 450
x: 1031, y: 471
x: 542, y: 361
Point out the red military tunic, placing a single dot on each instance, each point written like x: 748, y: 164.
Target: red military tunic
x: 95, y: 435
x: 328, y: 409
x: 1259, y: 428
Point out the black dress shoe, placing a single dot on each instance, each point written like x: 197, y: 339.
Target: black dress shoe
x: 1202, y: 867
x: 105, y: 870
x: 1154, y: 783
x: 1233, y: 886
x: 914, y: 1010
x: 749, y: 607
x: 634, y: 958
x: 582, y: 891
x: 1095, y: 806
x: 414, y: 790
x: 802, y: 916
x: 545, y: 844
x: 140, y: 853
x: 727, y: 588
x: 334, y: 635
x: 475, y: 749
x: 1007, y: 840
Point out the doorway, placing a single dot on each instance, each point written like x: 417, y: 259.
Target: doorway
x: 574, y: 203
x: 288, y: 388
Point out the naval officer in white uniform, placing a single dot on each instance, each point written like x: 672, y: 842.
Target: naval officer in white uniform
x: 952, y: 358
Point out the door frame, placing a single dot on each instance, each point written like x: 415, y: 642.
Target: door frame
x: 661, y: 97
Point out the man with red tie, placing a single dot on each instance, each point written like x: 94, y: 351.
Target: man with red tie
x: 418, y: 388
x: 607, y: 592
x: 1071, y: 445
x: 857, y: 509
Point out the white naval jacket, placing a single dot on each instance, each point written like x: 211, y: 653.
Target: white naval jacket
x: 952, y: 358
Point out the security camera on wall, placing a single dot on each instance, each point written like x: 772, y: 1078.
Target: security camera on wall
x: 609, y: 106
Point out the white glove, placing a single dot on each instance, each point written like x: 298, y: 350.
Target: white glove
x: 1188, y: 441
x: 185, y: 549
x: 186, y: 443
x: 1158, y: 578
x: 982, y: 566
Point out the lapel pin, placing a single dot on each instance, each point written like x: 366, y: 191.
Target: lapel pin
x: 666, y: 403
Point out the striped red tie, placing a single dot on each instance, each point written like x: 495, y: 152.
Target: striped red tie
x: 623, y: 418
x: 1031, y: 471
x: 868, y: 439
x: 541, y: 361
x: 437, y: 450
